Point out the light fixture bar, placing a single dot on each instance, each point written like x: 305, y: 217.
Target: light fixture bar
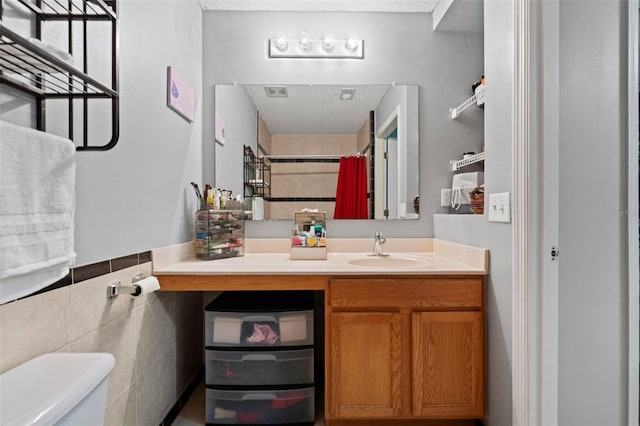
x: 351, y: 48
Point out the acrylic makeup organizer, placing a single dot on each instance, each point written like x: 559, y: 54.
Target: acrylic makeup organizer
x: 219, y: 234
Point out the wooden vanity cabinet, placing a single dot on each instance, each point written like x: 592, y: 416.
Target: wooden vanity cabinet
x: 405, y: 350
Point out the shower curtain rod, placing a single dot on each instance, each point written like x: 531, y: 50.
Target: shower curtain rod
x: 312, y: 156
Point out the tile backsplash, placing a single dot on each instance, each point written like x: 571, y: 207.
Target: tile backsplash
x: 156, y: 338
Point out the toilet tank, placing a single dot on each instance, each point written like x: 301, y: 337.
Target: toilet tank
x: 56, y: 389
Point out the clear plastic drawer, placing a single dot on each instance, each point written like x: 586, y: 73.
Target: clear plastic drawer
x: 246, y: 368
x: 260, y: 406
x: 290, y: 328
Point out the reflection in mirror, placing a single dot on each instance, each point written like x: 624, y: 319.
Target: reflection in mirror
x: 348, y: 150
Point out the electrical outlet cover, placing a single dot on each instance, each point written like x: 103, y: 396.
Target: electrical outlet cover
x: 445, y: 197
x: 500, y: 207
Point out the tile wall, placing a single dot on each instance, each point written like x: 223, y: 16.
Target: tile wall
x: 155, y: 338
x: 298, y: 184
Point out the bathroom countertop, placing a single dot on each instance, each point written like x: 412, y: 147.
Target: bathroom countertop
x: 177, y: 268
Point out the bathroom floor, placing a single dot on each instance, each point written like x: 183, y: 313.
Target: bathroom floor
x: 193, y: 413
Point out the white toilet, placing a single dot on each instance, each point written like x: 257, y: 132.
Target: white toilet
x: 56, y: 389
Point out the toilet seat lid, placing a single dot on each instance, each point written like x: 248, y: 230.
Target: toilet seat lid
x: 41, y: 391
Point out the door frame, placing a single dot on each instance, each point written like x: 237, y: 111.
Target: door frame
x: 633, y: 213
x: 522, y: 256
x: 395, y: 120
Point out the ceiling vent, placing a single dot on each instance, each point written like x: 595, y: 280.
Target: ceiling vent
x: 276, y: 91
x: 347, y: 94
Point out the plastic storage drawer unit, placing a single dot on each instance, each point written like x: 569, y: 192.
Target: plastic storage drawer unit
x: 251, y: 368
x: 260, y: 406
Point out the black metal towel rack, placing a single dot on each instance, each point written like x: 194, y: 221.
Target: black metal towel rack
x: 27, y: 67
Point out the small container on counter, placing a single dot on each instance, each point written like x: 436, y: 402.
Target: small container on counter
x: 311, y: 234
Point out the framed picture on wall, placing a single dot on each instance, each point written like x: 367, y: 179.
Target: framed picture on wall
x: 180, y: 95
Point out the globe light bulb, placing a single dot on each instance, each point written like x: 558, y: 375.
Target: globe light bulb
x: 281, y: 43
x: 305, y: 42
x: 328, y: 42
x: 352, y: 43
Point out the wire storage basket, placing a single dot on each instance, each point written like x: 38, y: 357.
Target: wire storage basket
x: 477, y: 200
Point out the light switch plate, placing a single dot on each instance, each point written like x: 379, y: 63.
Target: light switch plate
x: 500, y: 207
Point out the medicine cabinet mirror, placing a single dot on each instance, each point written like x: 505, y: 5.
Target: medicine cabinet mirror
x: 281, y: 147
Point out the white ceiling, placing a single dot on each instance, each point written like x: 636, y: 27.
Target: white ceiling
x: 316, y: 109
x: 394, y: 6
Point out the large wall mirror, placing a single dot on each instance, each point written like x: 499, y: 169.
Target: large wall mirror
x: 349, y: 150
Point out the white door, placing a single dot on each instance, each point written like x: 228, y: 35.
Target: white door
x: 586, y: 354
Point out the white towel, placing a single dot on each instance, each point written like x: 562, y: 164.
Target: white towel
x: 257, y: 205
x: 27, y: 61
x: 37, y: 206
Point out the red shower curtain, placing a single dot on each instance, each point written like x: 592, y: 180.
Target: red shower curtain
x: 351, y: 195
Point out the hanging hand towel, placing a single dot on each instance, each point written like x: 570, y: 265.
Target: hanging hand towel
x: 463, y: 184
x: 37, y: 206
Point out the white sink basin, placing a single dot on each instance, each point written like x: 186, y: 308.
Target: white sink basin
x: 389, y: 262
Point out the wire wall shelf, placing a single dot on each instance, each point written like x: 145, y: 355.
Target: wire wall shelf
x: 79, y: 9
x: 478, y: 98
x: 32, y: 69
x: 27, y: 65
x: 458, y: 164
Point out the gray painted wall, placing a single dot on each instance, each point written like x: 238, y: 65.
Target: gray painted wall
x: 592, y: 269
x: 475, y: 229
x: 398, y: 47
x: 137, y: 196
x: 240, y: 123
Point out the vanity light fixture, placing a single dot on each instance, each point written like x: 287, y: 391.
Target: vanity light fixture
x: 327, y: 47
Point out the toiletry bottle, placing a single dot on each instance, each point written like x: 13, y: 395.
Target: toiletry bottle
x: 216, y: 199
x: 224, y: 196
x: 210, y: 199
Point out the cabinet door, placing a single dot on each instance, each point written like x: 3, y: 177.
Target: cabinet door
x: 364, y: 364
x: 448, y: 364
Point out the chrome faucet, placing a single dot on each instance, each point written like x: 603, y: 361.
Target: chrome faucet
x: 378, y: 243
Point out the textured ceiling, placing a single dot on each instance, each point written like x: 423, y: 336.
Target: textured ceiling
x: 322, y: 5
x: 316, y: 109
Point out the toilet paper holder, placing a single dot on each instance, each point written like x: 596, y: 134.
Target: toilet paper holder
x: 116, y: 288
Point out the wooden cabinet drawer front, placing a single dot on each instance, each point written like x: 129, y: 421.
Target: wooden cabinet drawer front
x: 436, y: 293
